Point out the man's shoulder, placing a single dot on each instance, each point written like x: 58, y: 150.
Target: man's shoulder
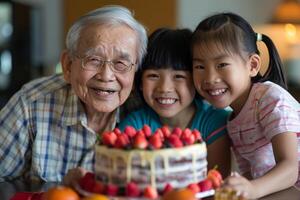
x: 43, y: 86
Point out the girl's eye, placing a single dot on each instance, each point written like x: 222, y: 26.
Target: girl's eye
x: 198, y: 66
x: 152, y: 76
x: 179, y: 76
x: 221, y: 65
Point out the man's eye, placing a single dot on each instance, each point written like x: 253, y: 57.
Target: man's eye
x: 93, y: 60
x: 121, y: 65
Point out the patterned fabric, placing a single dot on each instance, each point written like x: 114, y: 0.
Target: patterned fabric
x: 270, y: 110
x: 43, y: 132
x: 211, y: 122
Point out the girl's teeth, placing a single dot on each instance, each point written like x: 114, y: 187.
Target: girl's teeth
x: 166, y: 101
x: 217, y: 92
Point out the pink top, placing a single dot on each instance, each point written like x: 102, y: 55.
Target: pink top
x: 269, y: 110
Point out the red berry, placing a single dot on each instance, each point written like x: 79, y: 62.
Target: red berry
x: 194, y: 187
x: 147, y: 130
x: 150, y: 192
x: 175, y: 141
x: 155, y: 141
x: 166, y: 131
x: 122, y: 141
x: 197, y: 135
x: 117, y: 131
x: 205, y: 185
x: 177, y: 131
x: 186, y: 133
x: 132, y: 190
x: 112, y: 190
x: 160, y: 133
x: 168, y: 187
x: 215, y: 176
x: 188, y: 140
x: 109, y: 138
x: 98, y: 187
x: 140, y: 142
x: 130, y: 131
x: 87, y: 181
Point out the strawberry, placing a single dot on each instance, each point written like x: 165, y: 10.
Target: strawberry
x: 132, y: 190
x: 160, y: 133
x: 122, y: 141
x: 177, y: 131
x: 188, y: 140
x: 205, y: 185
x: 147, y: 130
x: 168, y: 187
x: 130, y: 131
x: 140, y: 142
x: 98, y: 187
x: 109, y: 138
x: 166, y: 131
x: 197, y: 135
x: 112, y: 190
x: 215, y: 176
x: 194, y: 187
x: 175, y: 141
x: 186, y: 133
x: 150, y: 193
x: 117, y: 131
x: 155, y: 141
x: 87, y: 181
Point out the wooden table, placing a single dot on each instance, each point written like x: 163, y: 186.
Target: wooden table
x: 8, y: 189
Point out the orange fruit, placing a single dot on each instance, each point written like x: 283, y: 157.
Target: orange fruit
x: 180, y: 194
x: 96, y: 197
x: 60, y: 193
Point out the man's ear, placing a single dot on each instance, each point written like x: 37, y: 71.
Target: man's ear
x: 255, y: 64
x: 66, y: 63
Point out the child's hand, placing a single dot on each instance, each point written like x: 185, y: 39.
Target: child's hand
x: 240, y: 184
x: 73, y: 176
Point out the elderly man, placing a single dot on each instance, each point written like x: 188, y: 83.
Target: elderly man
x: 50, y: 125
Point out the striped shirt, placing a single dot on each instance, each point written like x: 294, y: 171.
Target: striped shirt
x: 270, y: 110
x: 43, y: 132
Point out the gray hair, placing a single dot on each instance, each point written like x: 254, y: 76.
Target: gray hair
x: 110, y: 15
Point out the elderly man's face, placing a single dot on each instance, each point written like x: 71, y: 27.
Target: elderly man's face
x: 103, y: 90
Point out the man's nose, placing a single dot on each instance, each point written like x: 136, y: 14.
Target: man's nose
x: 105, y: 72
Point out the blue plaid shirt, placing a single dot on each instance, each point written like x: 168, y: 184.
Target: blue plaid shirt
x: 43, y: 132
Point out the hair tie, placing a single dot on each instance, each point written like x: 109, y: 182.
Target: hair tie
x: 258, y: 37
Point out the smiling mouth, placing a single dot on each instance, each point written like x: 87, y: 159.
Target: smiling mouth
x: 216, y: 92
x: 166, y: 101
x: 104, y: 91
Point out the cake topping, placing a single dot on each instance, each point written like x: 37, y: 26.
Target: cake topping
x: 145, y: 139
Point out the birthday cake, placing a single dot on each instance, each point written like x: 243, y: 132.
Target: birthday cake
x: 165, y: 157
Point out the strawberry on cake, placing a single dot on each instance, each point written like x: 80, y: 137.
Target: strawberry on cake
x: 176, y: 158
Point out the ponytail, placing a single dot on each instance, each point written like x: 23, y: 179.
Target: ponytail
x: 274, y: 72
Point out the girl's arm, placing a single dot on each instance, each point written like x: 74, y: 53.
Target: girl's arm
x: 218, y: 154
x: 282, y: 176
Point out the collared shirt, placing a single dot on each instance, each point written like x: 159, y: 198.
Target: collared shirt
x: 270, y: 110
x: 43, y: 132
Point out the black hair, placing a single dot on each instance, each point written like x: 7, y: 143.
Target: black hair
x: 236, y: 35
x: 168, y: 48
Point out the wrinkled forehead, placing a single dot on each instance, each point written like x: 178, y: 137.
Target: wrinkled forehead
x: 108, y: 41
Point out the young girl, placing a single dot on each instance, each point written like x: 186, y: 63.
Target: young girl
x: 266, y: 118
x: 165, y: 81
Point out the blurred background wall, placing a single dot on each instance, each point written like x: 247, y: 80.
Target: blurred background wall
x: 49, y: 20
